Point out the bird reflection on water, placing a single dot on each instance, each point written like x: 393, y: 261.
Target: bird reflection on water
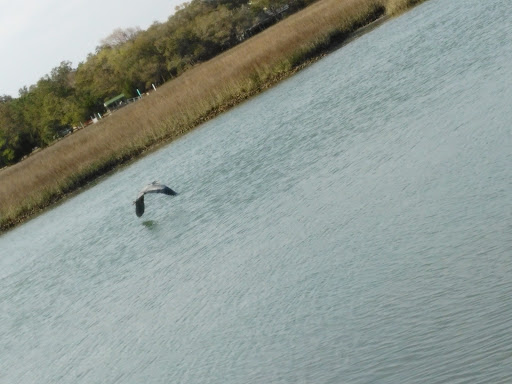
x: 150, y: 224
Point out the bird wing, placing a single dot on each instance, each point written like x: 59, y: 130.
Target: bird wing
x: 139, y: 206
x: 156, y: 187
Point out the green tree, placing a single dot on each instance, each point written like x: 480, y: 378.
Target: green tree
x: 98, y: 75
x: 48, y: 107
x: 16, y: 137
x: 271, y: 7
x: 8, y: 137
x: 120, y: 36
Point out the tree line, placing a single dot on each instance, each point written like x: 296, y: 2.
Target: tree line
x: 126, y: 61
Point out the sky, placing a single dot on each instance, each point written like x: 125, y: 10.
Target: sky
x: 37, y: 35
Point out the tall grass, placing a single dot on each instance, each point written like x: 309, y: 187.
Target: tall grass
x: 181, y: 104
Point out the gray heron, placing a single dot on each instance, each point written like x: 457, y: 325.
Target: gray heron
x: 154, y: 187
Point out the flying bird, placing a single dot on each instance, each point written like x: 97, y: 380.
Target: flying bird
x: 154, y: 187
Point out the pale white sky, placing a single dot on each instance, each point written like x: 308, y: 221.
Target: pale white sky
x: 37, y: 35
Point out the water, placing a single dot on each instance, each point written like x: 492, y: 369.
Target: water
x: 352, y: 225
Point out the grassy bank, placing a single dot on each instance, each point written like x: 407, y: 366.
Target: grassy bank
x: 183, y: 103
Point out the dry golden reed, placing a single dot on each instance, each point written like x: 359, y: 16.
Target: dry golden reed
x: 181, y: 104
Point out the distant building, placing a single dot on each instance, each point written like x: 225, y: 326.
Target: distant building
x: 115, y: 102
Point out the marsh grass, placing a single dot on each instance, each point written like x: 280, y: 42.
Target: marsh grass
x: 183, y: 103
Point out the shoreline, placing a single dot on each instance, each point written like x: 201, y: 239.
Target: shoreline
x: 115, y: 163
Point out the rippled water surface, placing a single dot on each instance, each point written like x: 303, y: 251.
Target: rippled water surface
x: 352, y: 225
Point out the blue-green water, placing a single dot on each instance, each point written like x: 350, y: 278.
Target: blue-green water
x: 352, y: 225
